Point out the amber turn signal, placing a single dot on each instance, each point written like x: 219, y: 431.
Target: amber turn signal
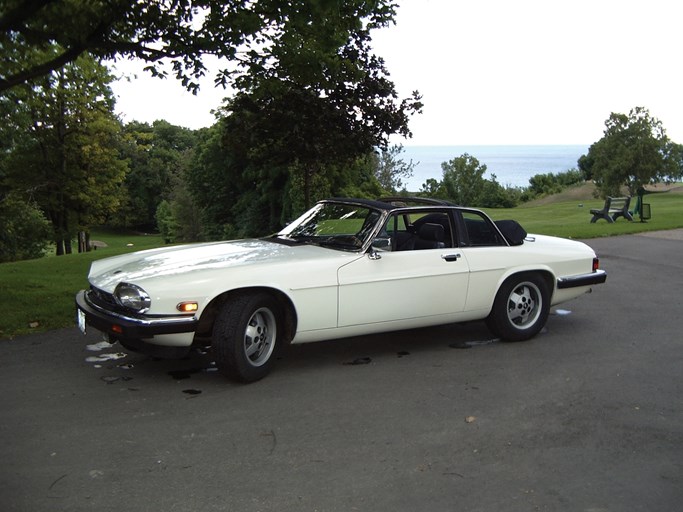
x: 187, y: 307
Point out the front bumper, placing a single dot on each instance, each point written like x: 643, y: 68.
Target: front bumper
x: 597, y: 277
x: 125, y: 327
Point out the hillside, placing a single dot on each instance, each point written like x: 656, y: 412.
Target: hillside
x: 586, y: 192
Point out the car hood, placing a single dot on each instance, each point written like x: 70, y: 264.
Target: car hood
x: 172, y: 261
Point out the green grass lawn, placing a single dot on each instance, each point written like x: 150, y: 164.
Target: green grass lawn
x: 38, y: 295
x: 571, y: 219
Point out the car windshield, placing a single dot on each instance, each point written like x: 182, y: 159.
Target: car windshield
x: 336, y: 225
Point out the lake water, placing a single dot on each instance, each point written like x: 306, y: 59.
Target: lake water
x: 512, y: 165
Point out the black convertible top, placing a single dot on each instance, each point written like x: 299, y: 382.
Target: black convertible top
x: 370, y: 203
x: 391, y: 203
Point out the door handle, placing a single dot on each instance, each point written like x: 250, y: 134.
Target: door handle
x: 451, y: 257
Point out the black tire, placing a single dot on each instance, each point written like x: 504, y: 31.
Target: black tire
x: 521, y: 308
x: 245, y: 336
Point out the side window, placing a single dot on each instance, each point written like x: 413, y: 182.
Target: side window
x: 396, y: 235
x: 417, y: 231
x: 480, y: 231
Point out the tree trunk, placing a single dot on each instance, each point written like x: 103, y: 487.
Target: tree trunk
x: 307, y: 188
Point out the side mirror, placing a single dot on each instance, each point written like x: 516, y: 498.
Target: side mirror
x: 381, y: 243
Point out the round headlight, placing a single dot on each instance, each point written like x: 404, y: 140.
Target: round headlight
x: 132, y: 297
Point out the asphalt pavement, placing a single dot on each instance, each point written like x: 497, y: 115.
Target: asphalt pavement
x: 587, y: 416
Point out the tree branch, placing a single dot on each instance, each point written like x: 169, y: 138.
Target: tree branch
x: 39, y: 70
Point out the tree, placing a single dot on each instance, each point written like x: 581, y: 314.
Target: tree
x: 25, y: 230
x: 166, y: 222
x: 62, y: 147
x: 391, y: 170
x: 463, y: 179
x: 251, y: 36
x: 464, y: 183
x: 634, y: 151
x: 215, y: 182
x: 157, y: 155
x: 298, y: 126
x: 431, y: 188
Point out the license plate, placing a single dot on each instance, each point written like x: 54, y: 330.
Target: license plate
x: 81, y: 321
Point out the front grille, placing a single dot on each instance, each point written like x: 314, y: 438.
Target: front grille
x: 106, y: 301
x: 102, y: 298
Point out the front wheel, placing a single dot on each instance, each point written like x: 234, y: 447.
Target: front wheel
x: 245, y: 336
x: 521, y: 308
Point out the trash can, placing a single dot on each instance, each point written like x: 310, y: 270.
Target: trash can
x: 645, y: 212
x: 642, y: 209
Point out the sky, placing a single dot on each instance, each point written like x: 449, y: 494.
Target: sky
x: 498, y: 71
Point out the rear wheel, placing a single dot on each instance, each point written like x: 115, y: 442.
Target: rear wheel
x: 521, y: 308
x: 245, y: 336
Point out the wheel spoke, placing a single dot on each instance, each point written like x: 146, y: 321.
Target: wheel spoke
x: 256, y: 336
x: 251, y: 332
x: 521, y: 305
x: 251, y: 348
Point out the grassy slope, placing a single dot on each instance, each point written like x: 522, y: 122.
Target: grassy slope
x: 38, y: 295
x: 568, y: 214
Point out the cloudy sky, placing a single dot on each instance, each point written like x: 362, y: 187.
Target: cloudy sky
x: 499, y: 72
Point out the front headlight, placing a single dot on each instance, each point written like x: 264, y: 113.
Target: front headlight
x: 132, y: 297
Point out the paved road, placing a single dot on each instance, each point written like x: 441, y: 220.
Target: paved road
x: 587, y: 416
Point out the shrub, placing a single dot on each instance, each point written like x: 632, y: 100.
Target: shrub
x: 25, y: 232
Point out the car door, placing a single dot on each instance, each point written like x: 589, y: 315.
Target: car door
x: 488, y: 254
x: 408, y: 276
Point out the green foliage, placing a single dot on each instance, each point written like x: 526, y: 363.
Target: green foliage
x: 165, y: 222
x: 634, y: 151
x: 278, y: 125
x: 158, y: 156
x: 186, y: 214
x: 61, y: 142
x: 551, y: 183
x: 463, y: 179
x: 392, y: 170
x: 242, y: 200
x: 320, y: 98
x: 25, y: 230
x: 464, y: 183
x: 313, y: 102
x: 252, y: 37
x: 431, y: 188
x: 214, y: 183
x: 291, y: 135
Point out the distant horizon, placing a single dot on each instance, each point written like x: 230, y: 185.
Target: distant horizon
x: 513, y: 164
x: 490, y: 144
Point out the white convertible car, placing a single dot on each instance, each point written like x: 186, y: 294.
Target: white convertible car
x: 347, y: 267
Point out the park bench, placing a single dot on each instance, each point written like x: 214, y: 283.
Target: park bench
x: 614, y: 208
